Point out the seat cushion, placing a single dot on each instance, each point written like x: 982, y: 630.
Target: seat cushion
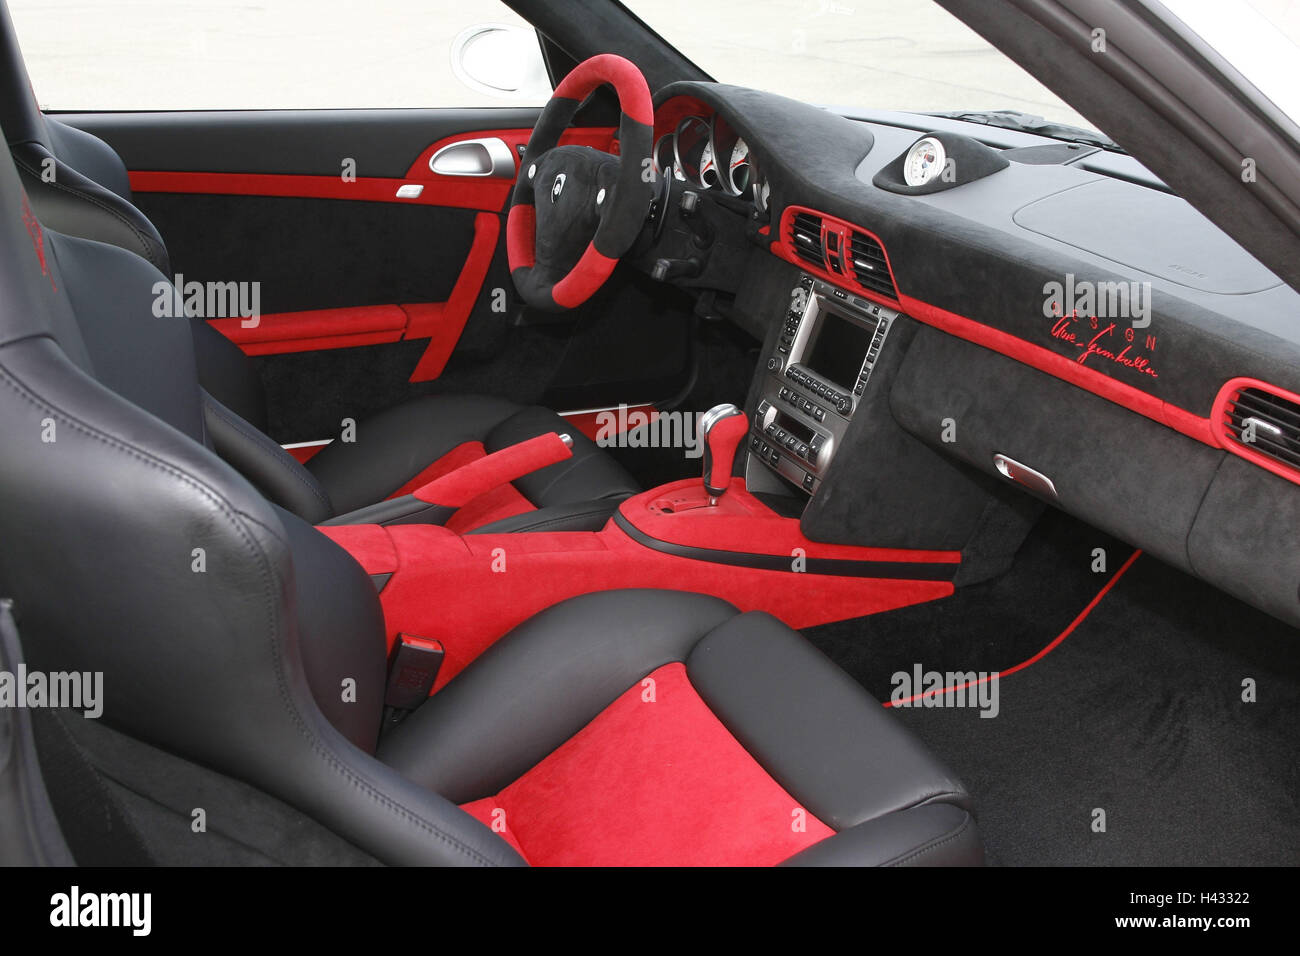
x: 407, y: 446
x: 664, y: 728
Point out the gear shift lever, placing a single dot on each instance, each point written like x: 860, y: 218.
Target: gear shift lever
x: 721, y: 429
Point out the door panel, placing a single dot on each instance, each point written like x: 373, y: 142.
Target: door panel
x: 367, y: 297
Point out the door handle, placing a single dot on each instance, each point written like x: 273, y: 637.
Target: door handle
x: 475, y: 157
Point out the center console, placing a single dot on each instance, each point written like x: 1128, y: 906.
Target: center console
x: 813, y: 380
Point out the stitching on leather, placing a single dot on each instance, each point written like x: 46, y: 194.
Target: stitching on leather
x: 930, y: 847
x: 228, y: 511
x: 140, y: 236
x: 258, y: 438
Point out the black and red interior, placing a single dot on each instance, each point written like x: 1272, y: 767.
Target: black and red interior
x: 405, y: 470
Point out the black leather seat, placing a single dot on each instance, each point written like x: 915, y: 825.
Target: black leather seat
x: 723, y: 738
x: 88, y: 195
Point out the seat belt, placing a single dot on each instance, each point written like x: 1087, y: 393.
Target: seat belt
x: 413, y: 665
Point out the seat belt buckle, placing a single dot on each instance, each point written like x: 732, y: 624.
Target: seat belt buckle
x: 413, y: 665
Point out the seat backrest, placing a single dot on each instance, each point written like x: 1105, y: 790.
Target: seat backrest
x: 227, y: 631
x: 78, y: 185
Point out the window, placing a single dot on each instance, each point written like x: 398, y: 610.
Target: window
x: 279, y: 54
x: 875, y: 54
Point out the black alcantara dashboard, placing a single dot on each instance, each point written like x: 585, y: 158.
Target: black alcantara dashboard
x: 1061, y: 325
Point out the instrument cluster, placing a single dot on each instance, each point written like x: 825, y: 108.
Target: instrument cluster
x: 706, y: 152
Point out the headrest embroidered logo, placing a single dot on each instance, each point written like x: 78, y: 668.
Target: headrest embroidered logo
x: 37, y: 235
x: 558, y: 187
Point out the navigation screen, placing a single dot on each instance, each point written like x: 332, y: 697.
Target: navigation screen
x: 837, y: 350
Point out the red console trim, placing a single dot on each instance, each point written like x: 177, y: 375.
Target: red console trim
x: 678, y: 514
x: 461, y: 486
x: 469, y: 591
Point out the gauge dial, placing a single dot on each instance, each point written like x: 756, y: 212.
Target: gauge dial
x: 738, y: 169
x: 709, y: 166
x: 692, y: 140
x: 664, y: 157
x: 924, y: 162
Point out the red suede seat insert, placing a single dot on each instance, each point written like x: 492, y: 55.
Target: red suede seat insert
x: 654, y: 780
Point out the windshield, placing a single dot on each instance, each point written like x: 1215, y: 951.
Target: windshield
x: 876, y: 54
x: 1260, y: 38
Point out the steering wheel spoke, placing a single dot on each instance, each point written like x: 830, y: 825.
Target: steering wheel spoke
x: 577, y: 210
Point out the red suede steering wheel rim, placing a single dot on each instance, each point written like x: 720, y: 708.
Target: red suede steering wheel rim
x: 621, y: 215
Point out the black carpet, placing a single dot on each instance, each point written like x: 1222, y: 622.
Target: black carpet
x: 1139, y: 713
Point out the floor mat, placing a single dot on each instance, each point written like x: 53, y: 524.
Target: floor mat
x: 1138, y: 713
x: 989, y: 626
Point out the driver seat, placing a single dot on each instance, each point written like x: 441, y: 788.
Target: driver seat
x: 394, y: 452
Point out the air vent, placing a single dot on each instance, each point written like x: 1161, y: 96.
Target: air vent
x: 869, y: 266
x: 1266, y: 424
x: 806, y: 239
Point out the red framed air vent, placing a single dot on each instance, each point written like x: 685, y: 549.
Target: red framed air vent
x: 837, y: 251
x: 1261, y: 423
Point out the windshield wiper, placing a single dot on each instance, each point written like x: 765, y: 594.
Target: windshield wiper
x: 1028, y: 123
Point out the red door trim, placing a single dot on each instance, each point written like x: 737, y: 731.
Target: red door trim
x: 445, y: 328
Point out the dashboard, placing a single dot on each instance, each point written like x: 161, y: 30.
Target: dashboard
x: 1041, y: 313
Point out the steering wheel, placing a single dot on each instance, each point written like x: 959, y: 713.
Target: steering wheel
x: 577, y: 210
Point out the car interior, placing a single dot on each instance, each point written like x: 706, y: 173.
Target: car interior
x: 677, y: 474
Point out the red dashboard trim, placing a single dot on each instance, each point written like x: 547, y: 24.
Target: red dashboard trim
x: 1204, y: 430
x: 1062, y: 367
x: 783, y: 247
x: 1229, y: 394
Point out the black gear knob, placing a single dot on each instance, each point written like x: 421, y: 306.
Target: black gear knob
x: 722, y: 428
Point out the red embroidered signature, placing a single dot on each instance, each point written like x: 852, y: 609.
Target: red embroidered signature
x: 37, y: 235
x: 1088, y: 347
